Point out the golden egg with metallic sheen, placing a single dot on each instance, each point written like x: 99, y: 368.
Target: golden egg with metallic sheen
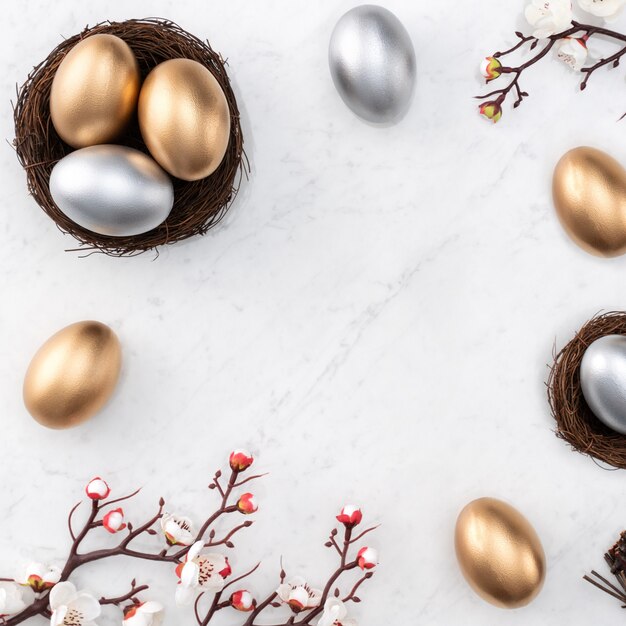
x: 73, y: 375
x: 94, y: 91
x: 499, y: 553
x: 184, y: 118
x: 589, y: 191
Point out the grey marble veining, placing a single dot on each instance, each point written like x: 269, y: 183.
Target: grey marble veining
x: 373, y: 318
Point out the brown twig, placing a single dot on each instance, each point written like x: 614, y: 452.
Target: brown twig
x: 583, y: 30
x: 615, y: 558
x: 76, y: 558
x: 131, y: 595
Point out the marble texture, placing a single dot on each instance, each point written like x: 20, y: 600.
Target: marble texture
x: 373, y: 318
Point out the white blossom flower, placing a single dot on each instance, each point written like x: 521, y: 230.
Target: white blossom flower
x: 548, y: 16
x: 11, y: 599
x: 38, y: 576
x: 72, y: 608
x: 298, y: 595
x: 178, y: 531
x: 145, y: 614
x: 572, y: 51
x: 200, y: 572
x: 335, y: 614
x: 608, y: 9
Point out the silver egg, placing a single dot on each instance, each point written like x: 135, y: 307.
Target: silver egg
x: 112, y: 190
x: 372, y: 63
x: 603, y: 380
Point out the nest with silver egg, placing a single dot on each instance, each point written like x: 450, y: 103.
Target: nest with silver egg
x: 198, y: 205
x: 575, y: 421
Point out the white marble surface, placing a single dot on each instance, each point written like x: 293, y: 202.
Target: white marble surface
x: 373, y: 318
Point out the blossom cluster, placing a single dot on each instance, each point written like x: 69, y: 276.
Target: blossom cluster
x: 197, y: 568
x: 552, y: 21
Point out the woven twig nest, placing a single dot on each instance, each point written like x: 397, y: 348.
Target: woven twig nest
x: 198, y: 205
x: 575, y: 421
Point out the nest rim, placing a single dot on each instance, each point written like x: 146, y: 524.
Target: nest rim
x: 576, y: 423
x: 198, y: 205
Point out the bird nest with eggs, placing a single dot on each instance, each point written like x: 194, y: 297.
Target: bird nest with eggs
x: 576, y: 422
x: 197, y: 204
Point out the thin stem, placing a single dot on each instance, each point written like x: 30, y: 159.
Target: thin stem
x: 69, y: 520
x: 127, y: 596
x: 122, y: 499
x: 239, y: 578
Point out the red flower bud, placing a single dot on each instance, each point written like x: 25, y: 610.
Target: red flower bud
x: 242, y: 600
x: 97, y: 489
x: 247, y: 504
x: 240, y: 460
x: 350, y: 515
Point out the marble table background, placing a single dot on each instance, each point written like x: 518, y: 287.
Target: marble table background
x: 373, y: 318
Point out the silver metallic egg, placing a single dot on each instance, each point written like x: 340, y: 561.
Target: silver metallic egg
x: 603, y: 380
x: 372, y: 63
x: 112, y: 190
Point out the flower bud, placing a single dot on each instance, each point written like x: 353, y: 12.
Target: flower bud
x: 97, y: 489
x: 243, y: 600
x: 247, y: 504
x: 113, y: 521
x: 350, y: 516
x: 491, y: 110
x: 240, y: 460
x: 490, y: 68
x: 367, y: 558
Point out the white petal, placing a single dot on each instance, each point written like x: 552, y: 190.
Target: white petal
x: 300, y: 595
x: 195, y: 550
x: 52, y: 575
x: 214, y: 583
x: 184, y: 595
x: 336, y: 608
x: 151, y: 607
x: 86, y: 604
x: 315, y: 598
x: 190, y: 574
x: 62, y: 594
x: 283, y: 591
x: 58, y: 616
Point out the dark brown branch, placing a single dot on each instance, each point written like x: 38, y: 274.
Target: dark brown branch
x: 365, y: 532
x: 247, y: 480
x: 352, y: 594
x: 239, y: 578
x: 122, y: 499
x: 127, y: 596
x: 585, y: 30
x: 69, y: 520
x: 226, y: 540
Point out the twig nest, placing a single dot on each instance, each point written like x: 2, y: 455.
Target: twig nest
x: 576, y: 422
x: 198, y: 204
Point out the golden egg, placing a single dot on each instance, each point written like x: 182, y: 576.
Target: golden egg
x: 589, y: 191
x: 184, y: 118
x: 94, y: 91
x: 72, y: 375
x: 499, y: 553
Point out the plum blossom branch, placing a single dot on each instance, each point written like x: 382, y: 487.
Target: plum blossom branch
x: 555, y: 29
x: 203, y: 577
x: 55, y: 594
x: 307, y: 604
